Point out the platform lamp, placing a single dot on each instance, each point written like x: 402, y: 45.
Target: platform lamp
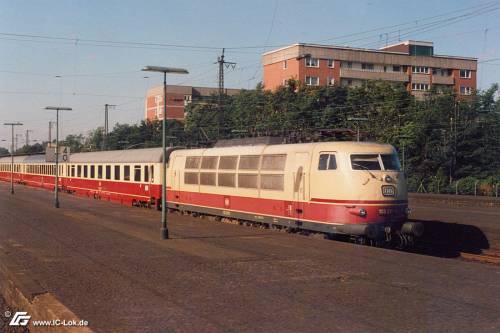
x: 12, y: 155
x: 164, y: 70
x: 56, y: 187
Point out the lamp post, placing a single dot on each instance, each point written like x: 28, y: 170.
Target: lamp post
x: 164, y: 70
x: 56, y: 187
x: 12, y: 155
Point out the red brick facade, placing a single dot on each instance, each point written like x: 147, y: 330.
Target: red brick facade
x: 411, y: 63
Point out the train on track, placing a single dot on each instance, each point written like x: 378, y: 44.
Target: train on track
x: 354, y: 189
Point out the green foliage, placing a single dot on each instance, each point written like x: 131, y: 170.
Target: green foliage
x: 444, y: 139
x: 4, y: 151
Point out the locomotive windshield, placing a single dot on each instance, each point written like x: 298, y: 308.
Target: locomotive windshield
x: 391, y: 162
x: 372, y: 162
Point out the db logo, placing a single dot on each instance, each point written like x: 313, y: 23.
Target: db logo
x: 20, y: 319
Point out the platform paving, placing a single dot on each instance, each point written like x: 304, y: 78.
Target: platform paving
x: 107, y: 264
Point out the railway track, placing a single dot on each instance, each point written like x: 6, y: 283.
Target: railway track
x: 486, y: 256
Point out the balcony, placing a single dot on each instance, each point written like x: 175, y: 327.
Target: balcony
x: 372, y: 75
x: 439, y: 79
x: 421, y: 78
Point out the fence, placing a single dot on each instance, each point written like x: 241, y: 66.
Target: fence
x: 465, y: 186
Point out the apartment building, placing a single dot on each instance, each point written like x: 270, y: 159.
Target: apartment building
x: 410, y: 63
x: 178, y: 97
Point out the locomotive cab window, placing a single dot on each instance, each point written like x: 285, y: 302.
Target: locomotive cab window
x: 327, y: 162
x: 365, y: 162
x: 391, y: 162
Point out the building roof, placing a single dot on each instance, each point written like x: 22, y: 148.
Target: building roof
x: 365, y: 49
x: 145, y: 155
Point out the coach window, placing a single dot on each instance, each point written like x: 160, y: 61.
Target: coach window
x: 192, y: 162
x: 209, y: 162
x: 327, y: 162
x: 85, y: 171
x: 191, y: 178
x: 137, y: 173
x: 273, y: 162
x: 250, y: 162
x: 146, y: 173
x: 99, y: 171
x: 108, y: 171
x: 247, y: 180
x: 152, y: 173
x: 117, y: 172
x: 126, y: 172
x: 227, y: 179
x: 72, y: 171
x: 79, y: 171
x: 92, y: 171
x: 272, y: 182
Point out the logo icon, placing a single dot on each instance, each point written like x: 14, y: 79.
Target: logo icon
x: 20, y: 319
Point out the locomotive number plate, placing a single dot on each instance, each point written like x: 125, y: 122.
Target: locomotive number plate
x: 388, y: 191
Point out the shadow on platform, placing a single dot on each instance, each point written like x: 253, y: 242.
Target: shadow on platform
x: 443, y: 239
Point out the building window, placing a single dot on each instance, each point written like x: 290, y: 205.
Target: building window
x: 367, y: 66
x: 465, y: 73
x: 285, y: 64
x: 346, y: 64
x: 331, y: 63
x: 465, y: 90
x: 420, y: 69
x: 330, y: 81
x: 419, y: 86
x: 312, y: 81
x: 396, y: 68
x: 312, y: 62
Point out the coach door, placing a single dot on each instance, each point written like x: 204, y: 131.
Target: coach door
x: 175, y: 180
x: 300, y: 183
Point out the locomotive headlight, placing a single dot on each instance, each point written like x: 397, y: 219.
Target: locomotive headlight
x: 362, y: 212
x: 387, y: 178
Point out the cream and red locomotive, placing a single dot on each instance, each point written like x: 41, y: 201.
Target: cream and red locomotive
x: 337, y: 188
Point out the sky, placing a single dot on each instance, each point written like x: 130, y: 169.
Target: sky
x: 86, y: 53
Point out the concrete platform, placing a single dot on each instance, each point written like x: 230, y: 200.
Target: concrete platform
x: 107, y: 264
